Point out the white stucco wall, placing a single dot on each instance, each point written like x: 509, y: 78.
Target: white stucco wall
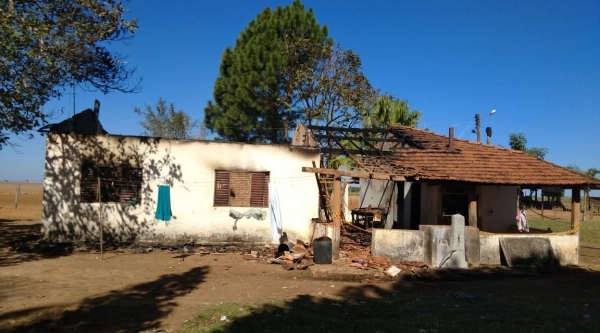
x: 398, y: 244
x: 189, y: 168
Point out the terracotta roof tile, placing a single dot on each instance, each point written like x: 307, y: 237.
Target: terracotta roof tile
x: 428, y: 157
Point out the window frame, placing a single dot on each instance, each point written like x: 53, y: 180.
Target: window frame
x: 258, y: 188
x: 118, y: 183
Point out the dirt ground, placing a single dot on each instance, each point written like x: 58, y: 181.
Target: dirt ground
x: 57, y: 291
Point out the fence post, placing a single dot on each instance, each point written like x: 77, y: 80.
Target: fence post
x: 17, y: 195
x: 100, y: 218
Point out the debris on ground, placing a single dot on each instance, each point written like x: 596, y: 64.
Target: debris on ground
x: 355, y: 252
x: 355, y: 248
x: 392, y: 271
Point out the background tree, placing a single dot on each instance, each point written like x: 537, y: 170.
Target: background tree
x: 328, y: 87
x: 593, y: 172
x: 166, y: 122
x: 50, y: 44
x: 519, y: 142
x: 250, y: 102
x: 325, y: 86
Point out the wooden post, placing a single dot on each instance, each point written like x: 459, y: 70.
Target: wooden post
x: 586, y: 198
x: 472, y: 206
x: 17, y: 195
x: 100, y: 218
x: 575, y: 206
x: 518, y: 203
x: 337, y: 189
x: 542, y: 212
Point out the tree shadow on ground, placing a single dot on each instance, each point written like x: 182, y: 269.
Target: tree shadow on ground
x: 140, y: 307
x: 20, y: 243
x: 535, y: 301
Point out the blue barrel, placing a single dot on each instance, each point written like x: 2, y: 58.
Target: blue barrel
x: 323, y: 250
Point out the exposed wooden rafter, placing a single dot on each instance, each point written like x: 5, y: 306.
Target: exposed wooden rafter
x: 355, y: 174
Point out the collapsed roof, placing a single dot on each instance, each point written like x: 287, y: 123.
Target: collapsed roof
x: 421, y: 155
x: 85, y: 122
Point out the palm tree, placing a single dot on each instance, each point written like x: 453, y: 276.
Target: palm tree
x: 389, y: 110
x: 593, y: 172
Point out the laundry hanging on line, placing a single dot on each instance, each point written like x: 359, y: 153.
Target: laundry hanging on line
x: 163, y: 204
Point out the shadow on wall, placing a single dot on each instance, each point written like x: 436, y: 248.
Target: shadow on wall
x: 128, y: 169
x: 134, y: 309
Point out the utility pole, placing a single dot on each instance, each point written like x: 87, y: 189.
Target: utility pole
x: 478, y: 126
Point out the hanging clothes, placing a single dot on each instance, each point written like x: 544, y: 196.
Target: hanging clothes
x: 163, y: 205
x: 522, y: 221
x: 274, y: 209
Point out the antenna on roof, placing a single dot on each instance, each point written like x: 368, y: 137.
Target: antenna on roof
x: 73, y: 88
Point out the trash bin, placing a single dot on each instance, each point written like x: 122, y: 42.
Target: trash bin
x: 323, y: 250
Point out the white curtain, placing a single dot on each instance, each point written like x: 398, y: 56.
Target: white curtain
x: 276, y: 226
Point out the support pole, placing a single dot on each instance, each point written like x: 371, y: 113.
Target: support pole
x: 472, y: 206
x: 586, y: 198
x: 337, y: 189
x: 100, y: 218
x: 542, y: 211
x: 575, y: 206
x: 478, y: 126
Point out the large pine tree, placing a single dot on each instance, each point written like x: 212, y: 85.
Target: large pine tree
x: 252, y: 101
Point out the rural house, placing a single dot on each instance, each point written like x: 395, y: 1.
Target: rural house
x: 158, y: 190
x: 445, y: 176
x: 414, y: 180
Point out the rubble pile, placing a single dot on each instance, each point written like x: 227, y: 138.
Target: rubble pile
x: 355, y: 252
x: 355, y: 249
x: 290, y: 256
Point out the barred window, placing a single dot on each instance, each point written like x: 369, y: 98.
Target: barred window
x: 118, y: 183
x: 241, y: 189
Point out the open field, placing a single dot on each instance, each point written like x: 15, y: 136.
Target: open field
x: 62, y: 289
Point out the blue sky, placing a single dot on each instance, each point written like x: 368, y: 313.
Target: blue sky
x: 536, y: 62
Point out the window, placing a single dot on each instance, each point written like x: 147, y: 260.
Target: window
x: 122, y: 183
x: 241, y: 189
x: 455, y: 200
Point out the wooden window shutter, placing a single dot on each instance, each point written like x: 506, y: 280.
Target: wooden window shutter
x: 131, y: 185
x: 259, y: 195
x: 222, y: 188
x: 118, y: 184
x: 89, y: 183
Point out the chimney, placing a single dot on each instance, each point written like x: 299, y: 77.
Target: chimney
x: 97, y: 107
x: 451, y: 138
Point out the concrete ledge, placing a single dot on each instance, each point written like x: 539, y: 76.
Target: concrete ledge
x: 343, y: 273
x: 528, y: 252
x: 398, y: 244
x: 564, y: 246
